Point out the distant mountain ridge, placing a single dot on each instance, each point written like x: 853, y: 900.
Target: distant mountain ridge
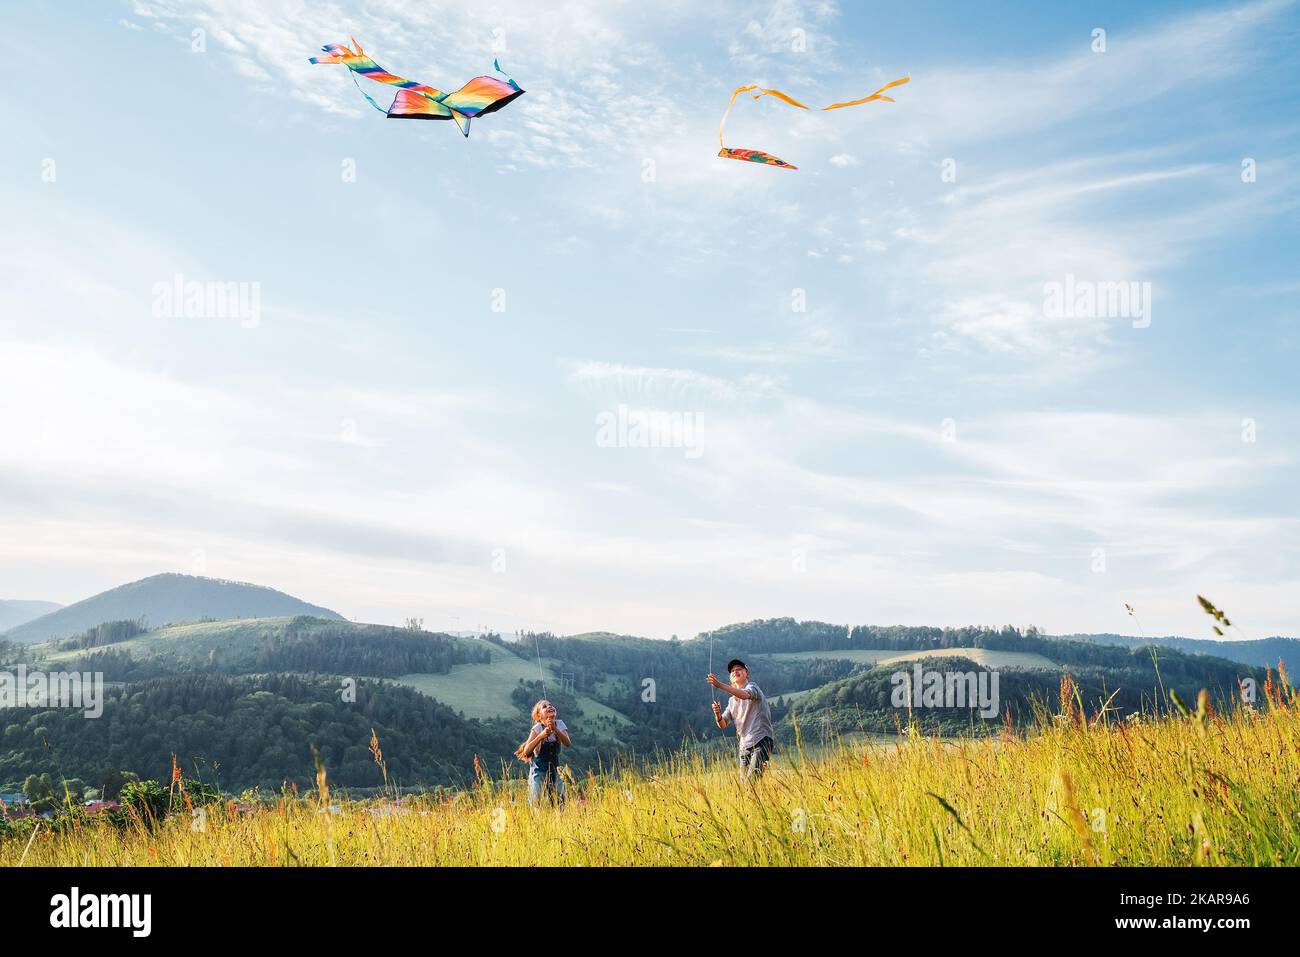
x: 1260, y: 652
x: 15, y: 612
x: 162, y: 599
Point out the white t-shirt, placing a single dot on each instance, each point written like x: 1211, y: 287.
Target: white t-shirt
x: 752, y: 717
x: 559, y: 726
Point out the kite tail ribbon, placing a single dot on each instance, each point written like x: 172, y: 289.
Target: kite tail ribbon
x: 758, y: 156
x: 367, y: 95
x: 878, y: 95
x: 496, y: 65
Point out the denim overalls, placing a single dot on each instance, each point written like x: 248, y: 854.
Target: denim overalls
x: 544, y: 773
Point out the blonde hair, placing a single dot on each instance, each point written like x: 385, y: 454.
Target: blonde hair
x: 537, y: 718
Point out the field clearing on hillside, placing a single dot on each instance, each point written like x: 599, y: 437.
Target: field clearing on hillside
x: 234, y: 641
x: 981, y: 656
x: 191, y: 641
x: 483, y: 691
x: 1175, y: 791
x: 479, y: 690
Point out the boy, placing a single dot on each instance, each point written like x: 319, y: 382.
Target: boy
x: 748, y: 708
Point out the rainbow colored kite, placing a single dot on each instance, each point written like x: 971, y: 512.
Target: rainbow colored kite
x: 758, y: 156
x: 415, y: 101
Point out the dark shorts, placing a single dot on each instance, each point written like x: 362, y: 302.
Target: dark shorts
x: 754, y: 759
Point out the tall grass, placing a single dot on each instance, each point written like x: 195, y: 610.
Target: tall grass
x: 1199, y: 788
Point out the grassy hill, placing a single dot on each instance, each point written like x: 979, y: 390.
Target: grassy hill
x: 162, y: 599
x: 253, y: 696
x: 1175, y: 791
x: 628, y: 699
x: 479, y: 679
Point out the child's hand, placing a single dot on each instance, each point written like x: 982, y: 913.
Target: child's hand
x: 717, y: 710
x: 714, y: 681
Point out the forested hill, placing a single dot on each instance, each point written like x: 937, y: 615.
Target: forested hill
x: 779, y: 635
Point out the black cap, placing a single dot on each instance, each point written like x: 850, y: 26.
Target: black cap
x: 736, y: 661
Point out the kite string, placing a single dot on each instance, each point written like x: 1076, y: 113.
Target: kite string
x: 713, y: 694
x: 540, y: 674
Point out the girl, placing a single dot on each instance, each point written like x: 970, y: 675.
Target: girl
x: 542, y: 752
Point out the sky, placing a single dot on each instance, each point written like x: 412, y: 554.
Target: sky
x: 894, y: 386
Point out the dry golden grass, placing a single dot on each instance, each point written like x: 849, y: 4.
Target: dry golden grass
x: 1199, y: 789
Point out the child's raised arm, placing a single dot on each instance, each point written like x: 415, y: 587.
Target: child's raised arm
x: 740, y: 693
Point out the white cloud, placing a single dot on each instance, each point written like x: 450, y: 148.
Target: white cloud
x: 342, y: 458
